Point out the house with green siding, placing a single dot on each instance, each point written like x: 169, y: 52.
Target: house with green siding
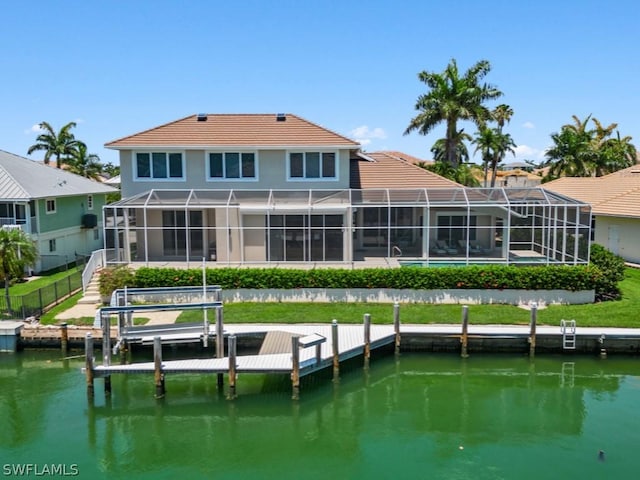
x: 61, y: 211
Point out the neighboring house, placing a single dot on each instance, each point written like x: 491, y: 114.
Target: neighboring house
x: 615, y: 201
x: 59, y: 210
x: 264, y: 188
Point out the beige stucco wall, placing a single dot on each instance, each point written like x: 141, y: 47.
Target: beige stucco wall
x: 626, y: 243
x: 254, y: 238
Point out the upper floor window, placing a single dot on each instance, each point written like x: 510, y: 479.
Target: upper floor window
x: 312, y: 166
x: 51, y: 205
x: 232, y: 165
x: 159, y: 166
x: 89, y: 202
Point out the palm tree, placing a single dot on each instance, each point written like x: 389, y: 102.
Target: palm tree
x: 450, y: 98
x: 85, y: 165
x: 16, y: 252
x: 439, y: 148
x: 61, y: 145
x: 582, y: 152
x: 485, y: 142
x: 502, y: 114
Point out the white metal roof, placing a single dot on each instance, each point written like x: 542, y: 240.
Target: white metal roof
x: 24, y: 179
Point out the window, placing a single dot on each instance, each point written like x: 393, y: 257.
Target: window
x: 312, y: 166
x: 159, y: 166
x: 51, y: 205
x: 89, y: 202
x: 232, y: 165
x: 52, y: 245
x: 96, y: 234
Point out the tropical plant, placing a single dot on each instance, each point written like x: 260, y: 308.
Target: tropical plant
x: 60, y: 145
x: 439, y: 148
x: 16, y: 252
x: 83, y: 164
x: 578, y: 151
x: 462, y: 174
x: 452, y: 97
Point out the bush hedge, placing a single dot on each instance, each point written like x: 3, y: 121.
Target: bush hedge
x: 612, y: 267
x: 571, y: 278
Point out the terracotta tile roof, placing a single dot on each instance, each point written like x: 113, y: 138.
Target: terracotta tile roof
x: 406, y: 157
x: 242, y: 130
x: 386, y: 170
x: 617, y: 194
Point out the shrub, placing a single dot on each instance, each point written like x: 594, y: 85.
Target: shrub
x: 612, y: 268
x: 112, y: 278
x: 472, y: 277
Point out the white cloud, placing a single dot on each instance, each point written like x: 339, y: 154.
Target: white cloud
x: 525, y: 151
x: 365, y: 135
x: 528, y: 125
x: 34, y: 129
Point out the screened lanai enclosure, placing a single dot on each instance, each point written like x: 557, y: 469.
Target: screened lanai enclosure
x: 409, y: 226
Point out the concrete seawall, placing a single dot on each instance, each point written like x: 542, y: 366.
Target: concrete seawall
x: 427, y: 338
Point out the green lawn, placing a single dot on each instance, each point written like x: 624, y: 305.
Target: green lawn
x: 36, y: 283
x: 622, y: 313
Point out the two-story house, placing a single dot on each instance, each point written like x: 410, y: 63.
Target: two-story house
x: 61, y: 211
x: 271, y: 188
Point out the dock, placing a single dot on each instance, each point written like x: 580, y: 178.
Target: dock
x: 299, y: 350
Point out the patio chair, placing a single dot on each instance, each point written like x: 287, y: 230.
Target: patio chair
x: 441, y: 244
x: 475, y: 247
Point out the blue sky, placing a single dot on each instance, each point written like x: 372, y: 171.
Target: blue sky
x: 120, y: 67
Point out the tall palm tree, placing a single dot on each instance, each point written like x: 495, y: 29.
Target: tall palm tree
x: 502, y: 114
x: 83, y: 164
x: 503, y: 145
x: 16, y: 252
x: 485, y: 142
x: 60, y: 145
x: 452, y: 97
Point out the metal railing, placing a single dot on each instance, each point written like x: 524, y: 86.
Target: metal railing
x: 96, y: 261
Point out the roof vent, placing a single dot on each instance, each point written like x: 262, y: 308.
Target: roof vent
x: 281, y: 117
x: 202, y: 117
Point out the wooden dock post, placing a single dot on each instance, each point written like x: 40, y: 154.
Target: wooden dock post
x: 396, y: 326
x: 232, y: 367
x: 465, y: 328
x: 88, y: 363
x: 64, y: 338
x: 532, y: 333
x: 336, y: 350
x: 367, y: 339
x: 295, y: 367
x: 220, y: 342
x: 157, y: 363
x: 106, y: 350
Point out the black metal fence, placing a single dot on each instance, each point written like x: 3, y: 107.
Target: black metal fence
x: 37, y: 302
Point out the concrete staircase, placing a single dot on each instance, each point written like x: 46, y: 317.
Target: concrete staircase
x: 92, y: 293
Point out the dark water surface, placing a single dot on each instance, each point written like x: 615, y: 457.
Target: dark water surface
x: 418, y: 416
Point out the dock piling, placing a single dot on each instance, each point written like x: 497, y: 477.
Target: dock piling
x: 232, y: 367
x: 532, y: 333
x: 336, y: 350
x: 64, y: 338
x: 157, y: 361
x: 464, y: 339
x: 220, y: 342
x: 367, y: 339
x: 295, y: 367
x: 396, y: 326
x: 88, y: 363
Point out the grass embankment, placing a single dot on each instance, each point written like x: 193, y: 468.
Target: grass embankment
x: 23, y: 288
x: 621, y: 313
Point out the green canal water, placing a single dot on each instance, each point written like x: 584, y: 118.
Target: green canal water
x: 418, y: 416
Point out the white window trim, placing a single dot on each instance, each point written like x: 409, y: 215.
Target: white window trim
x: 52, y: 243
x: 134, y: 165
x: 46, y: 206
x: 207, y: 166
x: 89, y: 202
x: 318, y: 179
